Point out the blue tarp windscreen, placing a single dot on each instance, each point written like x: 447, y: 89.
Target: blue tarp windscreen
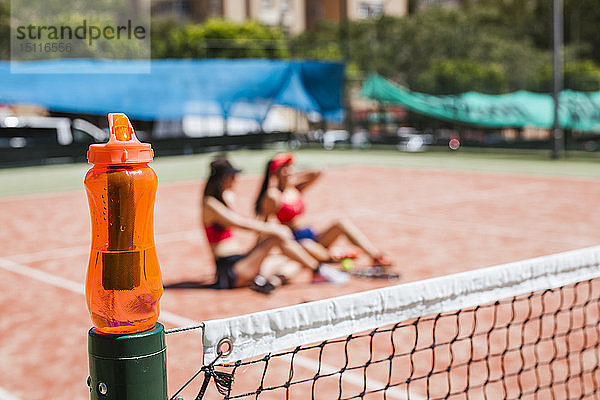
x: 245, y: 88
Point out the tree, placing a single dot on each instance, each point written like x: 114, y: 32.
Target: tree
x: 421, y: 47
x: 458, y: 76
x: 532, y: 20
x: 323, y: 43
x: 218, y: 38
x: 54, y: 37
x: 581, y: 27
x: 4, y: 30
x: 581, y: 75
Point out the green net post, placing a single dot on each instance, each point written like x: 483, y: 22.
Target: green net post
x: 128, y: 367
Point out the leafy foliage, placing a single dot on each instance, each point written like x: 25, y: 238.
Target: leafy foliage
x: 457, y: 76
x: 4, y: 29
x: 217, y: 38
x: 324, y: 43
x: 493, y: 46
x: 38, y: 18
x: 581, y: 75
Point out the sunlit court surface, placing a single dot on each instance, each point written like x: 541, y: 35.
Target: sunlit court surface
x: 434, y: 215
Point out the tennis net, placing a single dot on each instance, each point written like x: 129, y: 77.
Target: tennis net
x: 522, y: 330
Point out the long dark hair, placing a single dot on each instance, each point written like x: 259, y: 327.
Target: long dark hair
x: 220, y: 170
x: 263, y: 189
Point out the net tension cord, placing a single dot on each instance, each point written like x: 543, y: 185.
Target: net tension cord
x: 223, y: 380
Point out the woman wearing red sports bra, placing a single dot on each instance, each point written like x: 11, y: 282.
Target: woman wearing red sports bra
x: 236, y: 267
x: 281, y: 196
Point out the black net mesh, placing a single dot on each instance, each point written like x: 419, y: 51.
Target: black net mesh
x: 543, y: 345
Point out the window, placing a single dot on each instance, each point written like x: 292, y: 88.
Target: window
x: 214, y: 8
x: 369, y: 9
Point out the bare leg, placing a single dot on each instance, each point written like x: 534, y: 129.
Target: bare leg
x: 294, y: 251
x: 316, y: 249
x: 348, y: 229
x: 280, y: 266
x: 247, y: 268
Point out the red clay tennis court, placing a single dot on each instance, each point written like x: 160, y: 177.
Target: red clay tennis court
x: 431, y: 222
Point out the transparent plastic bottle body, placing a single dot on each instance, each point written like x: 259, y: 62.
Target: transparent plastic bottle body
x: 123, y: 284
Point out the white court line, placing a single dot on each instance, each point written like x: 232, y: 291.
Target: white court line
x: 76, y: 287
x: 41, y: 276
x: 355, y: 379
x: 81, y: 190
x: 180, y: 321
x: 5, y: 395
x: 462, y: 225
x: 487, y: 229
x: 194, y: 234
x: 177, y: 320
x: 51, y: 254
x: 448, y: 199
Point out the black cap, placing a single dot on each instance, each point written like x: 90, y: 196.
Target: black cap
x: 222, y: 166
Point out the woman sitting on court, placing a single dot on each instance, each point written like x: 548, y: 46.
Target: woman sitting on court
x: 236, y: 267
x: 281, y: 196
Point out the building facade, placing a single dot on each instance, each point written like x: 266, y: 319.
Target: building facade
x: 429, y: 3
x: 293, y: 16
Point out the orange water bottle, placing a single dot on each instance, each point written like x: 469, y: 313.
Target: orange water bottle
x: 123, y: 284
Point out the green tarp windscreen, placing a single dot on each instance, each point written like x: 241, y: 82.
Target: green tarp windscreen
x: 578, y: 110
